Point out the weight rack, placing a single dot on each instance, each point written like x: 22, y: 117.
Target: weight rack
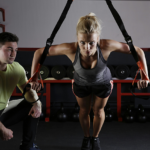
x: 48, y: 95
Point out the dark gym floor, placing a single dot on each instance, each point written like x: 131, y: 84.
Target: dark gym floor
x: 68, y: 136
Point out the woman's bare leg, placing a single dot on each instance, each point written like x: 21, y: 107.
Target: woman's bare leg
x: 99, y: 114
x: 85, y: 107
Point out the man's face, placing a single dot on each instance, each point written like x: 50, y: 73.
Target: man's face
x: 8, y: 52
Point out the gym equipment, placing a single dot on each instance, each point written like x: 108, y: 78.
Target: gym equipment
x: 112, y: 70
x: 44, y: 71
x: 140, y: 109
x: 49, y: 43
x: 108, y: 113
x: 146, y: 97
x: 75, y: 115
x: 58, y: 72
x: 122, y: 71
x: 141, y: 114
x: 128, y: 40
x: 121, y: 26
x: 133, y: 71
x: 129, y: 117
x: 62, y: 116
x: 28, y: 71
x: 70, y: 72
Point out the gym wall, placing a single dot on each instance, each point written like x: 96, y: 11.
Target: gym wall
x: 33, y: 21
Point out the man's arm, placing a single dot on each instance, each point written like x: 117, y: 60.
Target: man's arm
x: 31, y: 96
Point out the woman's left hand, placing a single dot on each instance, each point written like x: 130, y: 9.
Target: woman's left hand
x: 142, y: 84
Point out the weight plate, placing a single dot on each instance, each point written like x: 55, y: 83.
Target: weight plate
x: 58, y: 72
x: 70, y: 72
x: 122, y: 71
x: 44, y: 71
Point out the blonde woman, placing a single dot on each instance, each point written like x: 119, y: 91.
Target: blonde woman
x: 92, y: 77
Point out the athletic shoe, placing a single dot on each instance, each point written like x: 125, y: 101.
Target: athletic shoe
x: 86, y: 143
x: 95, y: 143
x: 34, y: 147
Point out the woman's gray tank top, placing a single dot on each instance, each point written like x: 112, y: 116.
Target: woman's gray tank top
x: 100, y: 74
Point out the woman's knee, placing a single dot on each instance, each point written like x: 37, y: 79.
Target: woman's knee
x: 84, y: 112
x: 99, y: 112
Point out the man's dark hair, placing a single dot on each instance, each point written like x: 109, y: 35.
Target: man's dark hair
x: 7, y: 37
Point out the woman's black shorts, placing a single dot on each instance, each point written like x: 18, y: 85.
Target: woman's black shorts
x: 101, y: 91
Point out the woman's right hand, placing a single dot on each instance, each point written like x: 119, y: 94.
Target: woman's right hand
x: 36, y: 86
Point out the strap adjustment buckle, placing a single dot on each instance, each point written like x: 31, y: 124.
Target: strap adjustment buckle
x: 128, y: 39
x: 49, y: 41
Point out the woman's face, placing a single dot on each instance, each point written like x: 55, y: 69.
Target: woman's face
x: 88, y: 43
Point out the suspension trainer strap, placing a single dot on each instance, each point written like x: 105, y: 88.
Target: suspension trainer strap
x: 129, y: 41
x: 59, y: 23
x: 49, y: 43
x: 119, y: 22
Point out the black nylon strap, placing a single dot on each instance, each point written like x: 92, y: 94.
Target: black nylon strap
x: 128, y: 40
x: 34, y: 101
x: 119, y: 22
x: 59, y: 23
x: 50, y: 41
x: 61, y: 19
x: 25, y: 89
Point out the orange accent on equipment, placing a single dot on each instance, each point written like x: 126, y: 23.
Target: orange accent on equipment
x: 140, y: 68
x: 37, y: 72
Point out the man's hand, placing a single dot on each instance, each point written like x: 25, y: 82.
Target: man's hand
x: 5, y: 134
x: 142, y: 84
x: 35, y: 111
x: 35, y: 86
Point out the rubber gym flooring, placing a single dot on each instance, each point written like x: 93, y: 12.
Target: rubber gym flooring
x: 68, y: 136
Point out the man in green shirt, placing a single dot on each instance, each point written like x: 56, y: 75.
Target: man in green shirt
x: 12, y: 74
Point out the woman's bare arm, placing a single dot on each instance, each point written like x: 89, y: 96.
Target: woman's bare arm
x: 111, y: 45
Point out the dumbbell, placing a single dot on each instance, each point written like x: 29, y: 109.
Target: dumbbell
x: 61, y: 115
x: 108, y: 113
x: 129, y: 117
x: 75, y: 115
x: 141, y: 114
